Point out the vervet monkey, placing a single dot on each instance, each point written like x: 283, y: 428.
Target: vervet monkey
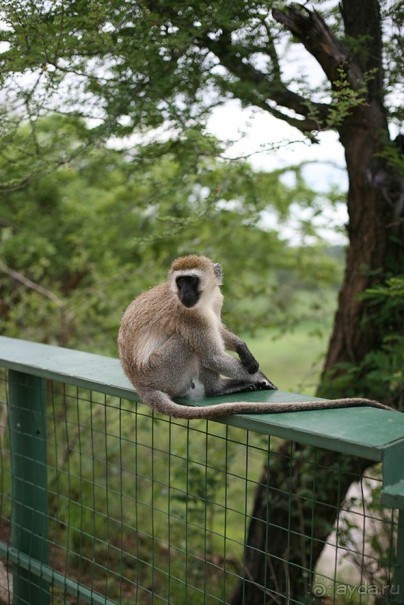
x: 172, y: 343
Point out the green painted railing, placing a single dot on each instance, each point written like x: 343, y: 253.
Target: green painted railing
x: 366, y: 432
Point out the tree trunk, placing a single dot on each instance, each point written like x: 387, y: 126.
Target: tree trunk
x: 370, y: 216
x: 295, y: 509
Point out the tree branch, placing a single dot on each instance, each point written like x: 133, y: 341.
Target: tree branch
x: 32, y: 285
x: 320, y: 42
x: 262, y: 88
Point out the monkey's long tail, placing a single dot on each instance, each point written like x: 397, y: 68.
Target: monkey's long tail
x: 161, y: 402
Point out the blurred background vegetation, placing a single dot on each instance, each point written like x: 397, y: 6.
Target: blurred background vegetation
x: 80, y: 242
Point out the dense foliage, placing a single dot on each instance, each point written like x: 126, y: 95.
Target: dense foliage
x: 79, y: 243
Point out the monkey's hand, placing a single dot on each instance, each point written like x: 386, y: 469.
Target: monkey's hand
x: 247, y: 358
x: 264, y: 384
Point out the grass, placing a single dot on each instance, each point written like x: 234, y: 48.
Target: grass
x: 293, y: 361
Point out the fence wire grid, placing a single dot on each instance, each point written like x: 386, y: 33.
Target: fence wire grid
x: 146, y: 509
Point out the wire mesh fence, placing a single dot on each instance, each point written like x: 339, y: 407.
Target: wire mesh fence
x: 141, y: 508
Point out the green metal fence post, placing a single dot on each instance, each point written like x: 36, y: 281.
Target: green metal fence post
x: 29, y: 521
x: 393, y: 496
x: 399, y: 579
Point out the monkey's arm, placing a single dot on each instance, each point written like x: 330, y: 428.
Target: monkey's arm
x: 212, y: 357
x: 234, y: 343
x: 216, y: 359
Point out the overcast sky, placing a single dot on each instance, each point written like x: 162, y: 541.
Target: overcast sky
x: 268, y: 143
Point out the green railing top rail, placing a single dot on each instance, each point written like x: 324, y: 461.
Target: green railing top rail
x: 366, y: 432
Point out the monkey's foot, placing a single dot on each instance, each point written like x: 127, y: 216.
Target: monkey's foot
x: 265, y: 385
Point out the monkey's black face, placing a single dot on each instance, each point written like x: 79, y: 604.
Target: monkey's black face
x: 188, y: 290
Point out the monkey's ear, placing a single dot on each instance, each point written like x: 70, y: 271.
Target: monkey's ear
x: 218, y: 272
